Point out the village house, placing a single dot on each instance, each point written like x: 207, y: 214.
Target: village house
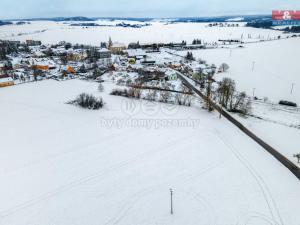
x: 76, y: 56
x: 40, y: 67
x: 171, y: 75
x: 104, y: 57
x: 6, y: 67
x: 117, y: 48
x: 33, y: 43
x: 137, y: 54
x: 6, y: 81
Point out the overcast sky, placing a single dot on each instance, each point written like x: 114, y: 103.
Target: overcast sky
x: 15, y: 9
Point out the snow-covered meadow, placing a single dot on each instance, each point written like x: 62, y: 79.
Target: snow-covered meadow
x: 277, y: 125
x: 266, y: 69
x: 64, y: 165
x: 159, y: 32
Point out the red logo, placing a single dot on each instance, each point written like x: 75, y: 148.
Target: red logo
x: 286, y: 14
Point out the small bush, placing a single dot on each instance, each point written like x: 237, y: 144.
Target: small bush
x: 130, y: 93
x: 151, y: 95
x: 183, y: 99
x: 165, y: 96
x: 87, y: 101
x: 119, y: 92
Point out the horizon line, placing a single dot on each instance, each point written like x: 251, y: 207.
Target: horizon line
x: 133, y: 17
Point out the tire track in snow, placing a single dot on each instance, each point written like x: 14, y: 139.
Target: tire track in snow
x: 78, y: 148
x: 260, y: 181
x: 86, y: 179
x: 129, y: 204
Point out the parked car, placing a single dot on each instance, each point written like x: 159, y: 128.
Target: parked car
x: 287, y: 103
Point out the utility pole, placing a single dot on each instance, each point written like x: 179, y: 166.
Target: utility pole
x: 254, y: 92
x: 253, y: 65
x: 298, y: 157
x: 292, y: 89
x: 171, y: 192
x: 208, y: 93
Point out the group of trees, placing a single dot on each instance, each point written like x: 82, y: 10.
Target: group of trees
x: 165, y: 96
x: 6, y: 48
x: 223, y: 25
x: 260, y: 24
x: 128, y: 93
x: 189, y: 56
x: 184, y: 98
x: 293, y: 29
x: 197, y: 42
x: 230, y: 99
x: 64, y: 58
x: 134, y: 45
x: 92, y: 54
x: 223, y: 92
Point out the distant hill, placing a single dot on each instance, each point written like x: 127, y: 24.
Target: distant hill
x: 2, y: 23
x: 244, y: 18
x: 78, y: 18
x: 58, y: 19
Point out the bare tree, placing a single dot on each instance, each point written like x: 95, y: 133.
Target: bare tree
x: 165, y: 96
x: 224, y: 67
x: 241, y: 104
x: 298, y: 157
x: 226, y: 91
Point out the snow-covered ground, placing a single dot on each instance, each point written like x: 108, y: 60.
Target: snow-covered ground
x: 277, y: 125
x: 269, y: 69
x: 54, y: 32
x: 64, y: 165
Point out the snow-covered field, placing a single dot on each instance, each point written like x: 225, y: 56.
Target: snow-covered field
x: 64, y: 165
x: 269, y: 69
x: 277, y: 125
x: 54, y: 32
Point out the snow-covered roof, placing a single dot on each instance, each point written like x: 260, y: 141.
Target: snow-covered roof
x: 118, y: 45
x: 199, y: 67
x: 170, y: 72
x: 135, y: 52
x: 42, y: 62
x: 39, y: 53
x: 6, y: 79
x: 103, y: 50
